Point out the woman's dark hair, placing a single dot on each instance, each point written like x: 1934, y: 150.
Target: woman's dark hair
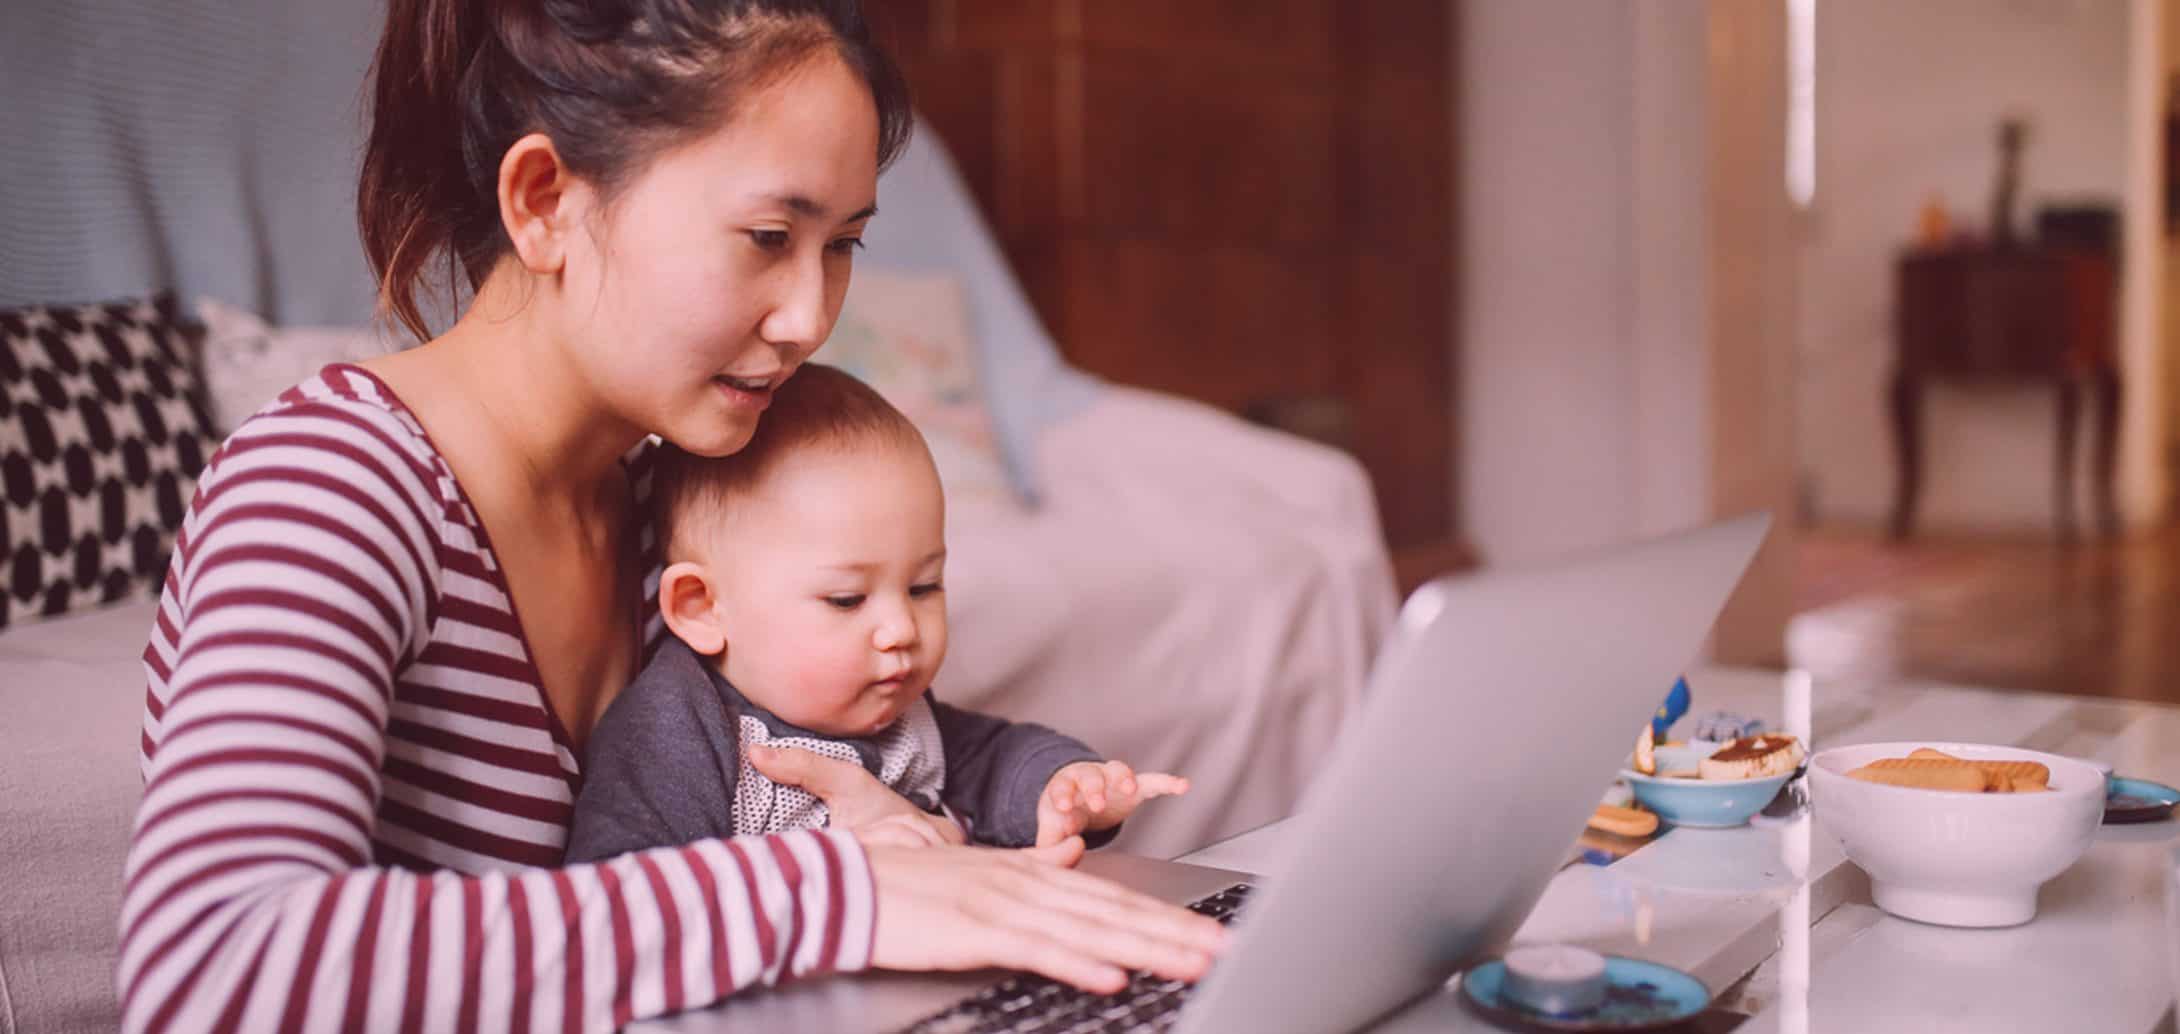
x: 611, y: 82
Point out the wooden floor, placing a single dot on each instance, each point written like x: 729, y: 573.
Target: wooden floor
x: 2100, y: 619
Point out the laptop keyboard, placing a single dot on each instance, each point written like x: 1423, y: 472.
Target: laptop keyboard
x: 1026, y: 1004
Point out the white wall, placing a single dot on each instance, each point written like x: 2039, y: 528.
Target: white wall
x: 1545, y: 140
x: 1909, y: 95
x: 1626, y: 281
x: 1580, y: 315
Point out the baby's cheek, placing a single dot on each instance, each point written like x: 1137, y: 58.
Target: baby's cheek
x: 831, y: 680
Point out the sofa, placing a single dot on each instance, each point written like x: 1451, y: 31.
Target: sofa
x: 1178, y: 588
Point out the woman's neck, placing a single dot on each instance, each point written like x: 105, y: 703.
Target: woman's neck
x: 527, y: 393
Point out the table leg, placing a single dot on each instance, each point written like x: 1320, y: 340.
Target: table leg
x: 1907, y: 440
x: 2105, y: 381
x: 2062, y: 494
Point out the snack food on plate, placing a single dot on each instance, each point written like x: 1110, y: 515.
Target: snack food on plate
x: 1928, y: 769
x: 1922, y: 774
x: 1753, y: 757
x: 1623, y: 821
x: 1999, y: 776
x: 1646, y: 754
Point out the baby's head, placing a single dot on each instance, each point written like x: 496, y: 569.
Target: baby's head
x: 809, y: 565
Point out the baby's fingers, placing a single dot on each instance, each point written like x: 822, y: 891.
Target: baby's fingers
x: 1120, y: 778
x: 1062, y: 794
x: 1091, y: 783
x: 1056, y: 823
x: 1159, y: 784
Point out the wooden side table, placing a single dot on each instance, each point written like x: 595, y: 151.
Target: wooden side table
x: 1985, y: 314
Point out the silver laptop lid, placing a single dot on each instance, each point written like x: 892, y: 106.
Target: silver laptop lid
x: 1492, y: 724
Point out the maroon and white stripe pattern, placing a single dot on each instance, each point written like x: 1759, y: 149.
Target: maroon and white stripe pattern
x: 356, y: 795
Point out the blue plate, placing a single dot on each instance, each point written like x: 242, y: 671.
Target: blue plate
x: 1638, y: 996
x: 2138, y: 800
x: 1706, y: 803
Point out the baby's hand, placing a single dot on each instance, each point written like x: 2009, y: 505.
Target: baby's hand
x: 1088, y: 796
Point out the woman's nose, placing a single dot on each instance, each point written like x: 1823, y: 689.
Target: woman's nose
x: 799, y: 319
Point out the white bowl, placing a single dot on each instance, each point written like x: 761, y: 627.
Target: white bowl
x: 1957, y: 859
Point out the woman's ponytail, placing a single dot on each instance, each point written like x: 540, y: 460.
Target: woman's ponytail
x: 414, y: 195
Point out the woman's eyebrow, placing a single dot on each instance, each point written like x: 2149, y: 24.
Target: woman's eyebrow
x: 803, y: 205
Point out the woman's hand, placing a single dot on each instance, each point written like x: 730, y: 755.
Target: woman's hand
x: 962, y: 908
x: 855, y: 800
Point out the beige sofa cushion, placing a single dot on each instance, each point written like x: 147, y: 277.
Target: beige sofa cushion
x: 71, y: 703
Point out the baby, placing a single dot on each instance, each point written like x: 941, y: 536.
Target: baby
x: 804, y: 589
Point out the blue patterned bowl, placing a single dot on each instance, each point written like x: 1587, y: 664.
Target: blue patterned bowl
x: 1708, y: 803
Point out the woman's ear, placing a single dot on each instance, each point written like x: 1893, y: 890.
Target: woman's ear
x: 539, y: 203
x: 690, y: 604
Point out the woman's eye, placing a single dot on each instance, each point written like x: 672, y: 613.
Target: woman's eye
x: 769, y: 240
x: 845, y: 601
x: 925, y: 589
x: 845, y: 245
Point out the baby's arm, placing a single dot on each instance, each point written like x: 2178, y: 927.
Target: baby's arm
x: 660, y: 770
x: 996, y: 772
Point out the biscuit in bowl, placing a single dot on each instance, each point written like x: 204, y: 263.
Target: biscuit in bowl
x: 1962, y: 858
x: 1753, y: 757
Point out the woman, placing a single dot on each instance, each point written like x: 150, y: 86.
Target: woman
x: 406, y: 591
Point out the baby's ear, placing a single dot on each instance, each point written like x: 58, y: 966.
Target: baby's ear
x: 690, y: 604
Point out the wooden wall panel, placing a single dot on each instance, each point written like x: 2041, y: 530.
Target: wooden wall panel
x: 1183, y: 155
x: 1296, y: 36
x: 1225, y: 325
x: 1242, y: 201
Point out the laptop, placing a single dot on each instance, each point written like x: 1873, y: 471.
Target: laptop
x: 1493, y: 721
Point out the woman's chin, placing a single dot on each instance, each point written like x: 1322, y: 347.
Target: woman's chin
x: 716, y: 441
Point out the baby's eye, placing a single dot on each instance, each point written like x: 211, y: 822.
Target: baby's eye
x: 845, y: 245
x: 769, y: 240
x: 844, y: 600
x: 924, y: 589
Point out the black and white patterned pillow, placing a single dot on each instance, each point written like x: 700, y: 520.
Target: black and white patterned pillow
x: 102, y: 434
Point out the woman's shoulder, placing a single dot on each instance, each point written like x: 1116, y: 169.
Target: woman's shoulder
x: 344, y: 416
x: 343, y: 409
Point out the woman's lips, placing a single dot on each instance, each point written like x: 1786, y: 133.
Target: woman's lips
x: 739, y: 395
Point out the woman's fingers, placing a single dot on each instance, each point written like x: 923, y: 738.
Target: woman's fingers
x: 973, y: 907
x: 943, y: 829
x: 1047, y: 956
x: 1128, y: 929
x: 926, y: 834
x: 893, y: 833
x: 1104, y: 901
x: 854, y: 797
x: 825, y: 778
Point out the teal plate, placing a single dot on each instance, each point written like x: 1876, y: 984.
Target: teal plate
x: 2138, y: 800
x: 1638, y: 996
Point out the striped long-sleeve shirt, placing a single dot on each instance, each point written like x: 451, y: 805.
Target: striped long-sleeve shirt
x: 357, y: 796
